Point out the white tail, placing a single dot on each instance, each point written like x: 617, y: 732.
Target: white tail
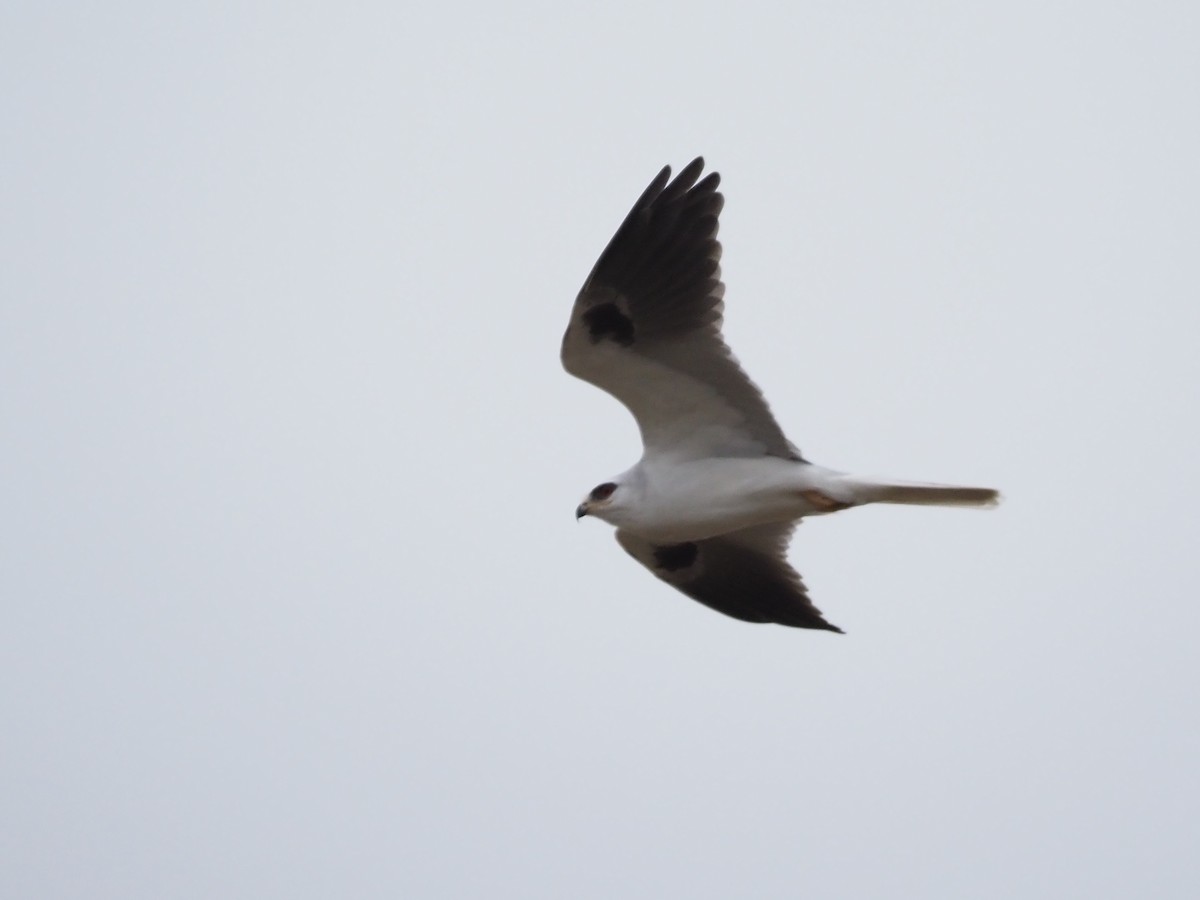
x: 917, y: 494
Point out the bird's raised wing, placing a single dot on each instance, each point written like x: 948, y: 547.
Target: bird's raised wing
x: 744, y: 574
x: 646, y: 327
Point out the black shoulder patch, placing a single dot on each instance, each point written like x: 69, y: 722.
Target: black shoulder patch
x: 607, y: 321
x: 673, y: 557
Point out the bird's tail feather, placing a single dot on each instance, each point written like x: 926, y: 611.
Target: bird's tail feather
x: 916, y: 493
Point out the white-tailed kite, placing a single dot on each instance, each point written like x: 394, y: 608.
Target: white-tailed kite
x: 711, y: 505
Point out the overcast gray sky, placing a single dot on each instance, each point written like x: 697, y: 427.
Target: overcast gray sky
x: 293, y: 600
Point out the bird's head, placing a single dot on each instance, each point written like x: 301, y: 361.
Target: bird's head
x: 602, y: 501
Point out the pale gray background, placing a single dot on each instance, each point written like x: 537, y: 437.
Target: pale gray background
x: 293, y: 603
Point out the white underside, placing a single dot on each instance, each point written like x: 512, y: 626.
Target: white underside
x: 676, y: 501
x: 671, y: 500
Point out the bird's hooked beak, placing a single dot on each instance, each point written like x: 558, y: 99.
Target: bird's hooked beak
x: 581, y: 510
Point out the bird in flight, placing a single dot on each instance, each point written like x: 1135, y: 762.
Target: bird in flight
x: 712, y: 503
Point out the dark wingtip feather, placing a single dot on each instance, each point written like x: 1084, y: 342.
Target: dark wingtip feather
x: 709, y: 183
x: 692, y: 170
x: 653, y: 189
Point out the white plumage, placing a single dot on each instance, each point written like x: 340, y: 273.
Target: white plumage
x: 711, y: 505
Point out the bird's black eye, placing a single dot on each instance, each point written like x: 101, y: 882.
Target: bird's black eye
x: 603, y: 491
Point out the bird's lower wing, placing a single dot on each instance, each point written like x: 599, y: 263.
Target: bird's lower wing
x: 744, y: 574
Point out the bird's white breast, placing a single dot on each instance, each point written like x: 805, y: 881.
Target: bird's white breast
x: 697, y: 499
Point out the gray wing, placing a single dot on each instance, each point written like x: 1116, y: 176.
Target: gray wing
x: 744, y: 574
x: 646, y: 328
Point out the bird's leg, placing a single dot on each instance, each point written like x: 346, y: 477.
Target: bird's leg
x: 823, y: 502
